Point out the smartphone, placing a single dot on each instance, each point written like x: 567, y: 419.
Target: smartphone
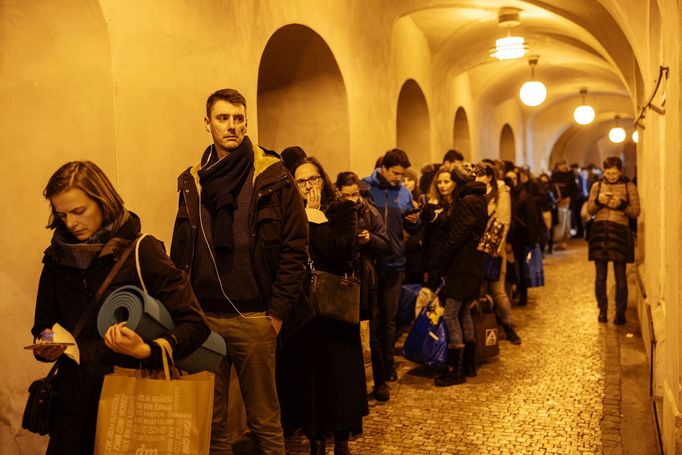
x: 412, y: 211
x: 38, y: 345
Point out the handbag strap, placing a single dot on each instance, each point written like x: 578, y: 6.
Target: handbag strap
x: 137, y: 262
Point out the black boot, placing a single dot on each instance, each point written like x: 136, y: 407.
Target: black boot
x: 341, y: 448
x: 318, y: 446
x: 469, y: 363
x: 602, y: 315
x: 453, y: 374
x: 512, y: 336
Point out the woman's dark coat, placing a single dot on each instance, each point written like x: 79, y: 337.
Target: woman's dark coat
x: 459, y: 261
x: 64, y: 293
x: 320, y: 368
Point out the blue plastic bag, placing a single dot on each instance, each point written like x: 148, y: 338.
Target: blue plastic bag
x: 427, y: 343
x: 535, y: 275
x: 408, y: 298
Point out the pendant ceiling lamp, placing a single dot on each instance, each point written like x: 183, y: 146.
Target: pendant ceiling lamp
x: 533, y: 93
x: 617, y: 134
x: 509, y: 47
x: 583, y: 114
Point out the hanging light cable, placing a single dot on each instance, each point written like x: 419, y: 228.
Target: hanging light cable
x: 583, y: 114
x: 533, y: 93
x: 617, y: 134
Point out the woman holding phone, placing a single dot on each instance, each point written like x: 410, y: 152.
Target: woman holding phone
x: 613, y: 201
x: 92, y: 229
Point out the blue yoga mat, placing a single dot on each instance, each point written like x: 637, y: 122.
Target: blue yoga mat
x: 150, y: 319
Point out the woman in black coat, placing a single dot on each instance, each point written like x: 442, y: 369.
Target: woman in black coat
x: 321, y: 372
x: 524, y: 232
x: 92, y: 228
x: 462, y: 266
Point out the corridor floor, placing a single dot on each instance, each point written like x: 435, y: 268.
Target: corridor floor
x: 558, y: 392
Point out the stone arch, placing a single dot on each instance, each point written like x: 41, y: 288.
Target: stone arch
x: 413, y: 127
x: 507, y: 144
x: 461, y: 140
x: 302, y: 98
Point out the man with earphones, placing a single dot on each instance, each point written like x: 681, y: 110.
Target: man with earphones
x: 241, y: 233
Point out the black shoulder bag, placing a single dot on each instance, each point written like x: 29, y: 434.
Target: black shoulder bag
x: 41, y: 393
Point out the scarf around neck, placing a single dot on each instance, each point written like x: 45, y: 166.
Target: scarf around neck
x: 221, y: 181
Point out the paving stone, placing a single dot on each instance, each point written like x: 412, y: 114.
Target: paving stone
x: 558, y: 392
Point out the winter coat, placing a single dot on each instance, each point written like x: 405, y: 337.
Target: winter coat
x: 63, y: 294
x: 459, y: 261
x: 525, y: 225
x: 371, y: 253
x: 435, y: 228
x: 320, y: 368
x: 279, y: 231
x: 392, y: 202
x: 610, y: 236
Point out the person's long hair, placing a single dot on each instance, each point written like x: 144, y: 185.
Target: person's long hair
x: 89, y: 178
x: 329, y: 193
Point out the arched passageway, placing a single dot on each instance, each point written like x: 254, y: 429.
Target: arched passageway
x: 461, y: 140
x: 413, y: 125
x: 507, y: 144
x: 302, y: 97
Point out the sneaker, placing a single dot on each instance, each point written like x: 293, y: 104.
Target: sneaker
x: 381, y: 392
x: 512, y: 336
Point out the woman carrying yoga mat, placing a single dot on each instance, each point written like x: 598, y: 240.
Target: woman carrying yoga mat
x: 92, y: 230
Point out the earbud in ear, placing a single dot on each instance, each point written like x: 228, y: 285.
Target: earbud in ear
x: 208, y: 128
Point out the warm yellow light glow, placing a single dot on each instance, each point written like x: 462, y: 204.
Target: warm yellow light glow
x: 617, y: 135
x: 533, y: 93
x: 635, y: 137
x: 583, y: 115
x: 509, y: 47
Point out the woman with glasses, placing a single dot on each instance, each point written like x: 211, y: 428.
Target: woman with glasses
x: 321, y: 371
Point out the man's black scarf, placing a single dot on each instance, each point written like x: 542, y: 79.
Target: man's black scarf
x: 221, y: 181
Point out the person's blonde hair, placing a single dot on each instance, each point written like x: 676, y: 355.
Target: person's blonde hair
x: 434, y: 194
x: 89, y: 178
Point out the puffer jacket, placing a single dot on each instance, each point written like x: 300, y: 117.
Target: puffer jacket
x: 279, y: 231
x: 459, y: 261
x: 610, y: 236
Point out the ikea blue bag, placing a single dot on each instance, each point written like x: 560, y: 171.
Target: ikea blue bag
x: 427, y: 343
x: 408, y: 299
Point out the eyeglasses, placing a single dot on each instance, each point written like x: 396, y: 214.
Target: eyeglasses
x: 314, y: 180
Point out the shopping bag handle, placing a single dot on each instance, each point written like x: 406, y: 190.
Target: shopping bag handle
x: 166, y: 356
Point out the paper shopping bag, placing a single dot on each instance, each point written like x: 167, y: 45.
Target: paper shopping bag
x: 143, y: 415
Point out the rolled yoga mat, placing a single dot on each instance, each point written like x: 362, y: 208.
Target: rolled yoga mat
x: 150, y: 319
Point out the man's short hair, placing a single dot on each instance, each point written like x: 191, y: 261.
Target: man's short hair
x: 395, y: 157
x: 613, y: 161
x: 230, y: 95
x: 453, y: 155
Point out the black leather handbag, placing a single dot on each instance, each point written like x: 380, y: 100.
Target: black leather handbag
x: 42, y: 394
x: 40, y: 404
x: 335, y: 297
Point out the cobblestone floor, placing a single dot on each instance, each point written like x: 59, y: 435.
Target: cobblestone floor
x: 558, y: 392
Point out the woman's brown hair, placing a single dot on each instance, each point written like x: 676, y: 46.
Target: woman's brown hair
x: 328, y: 196
x: 433, y: 188
x: 89, y: 178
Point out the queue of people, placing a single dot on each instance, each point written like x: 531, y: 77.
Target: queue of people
x: 250, y: 227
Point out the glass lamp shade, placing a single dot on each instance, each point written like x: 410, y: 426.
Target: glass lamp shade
x: 509, y: 47
x: 635, y: 136
x: 533, y: 93
x: 617, y: 135
x: 583, y: 115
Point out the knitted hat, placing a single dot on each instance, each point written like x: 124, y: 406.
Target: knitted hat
x: 463, y: 172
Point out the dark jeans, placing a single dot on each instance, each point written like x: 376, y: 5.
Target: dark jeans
x: 621, y: 286
x: 378, y: 369
x: 390, y: 283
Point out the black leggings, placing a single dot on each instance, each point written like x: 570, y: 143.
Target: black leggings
x: 621, y: 286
